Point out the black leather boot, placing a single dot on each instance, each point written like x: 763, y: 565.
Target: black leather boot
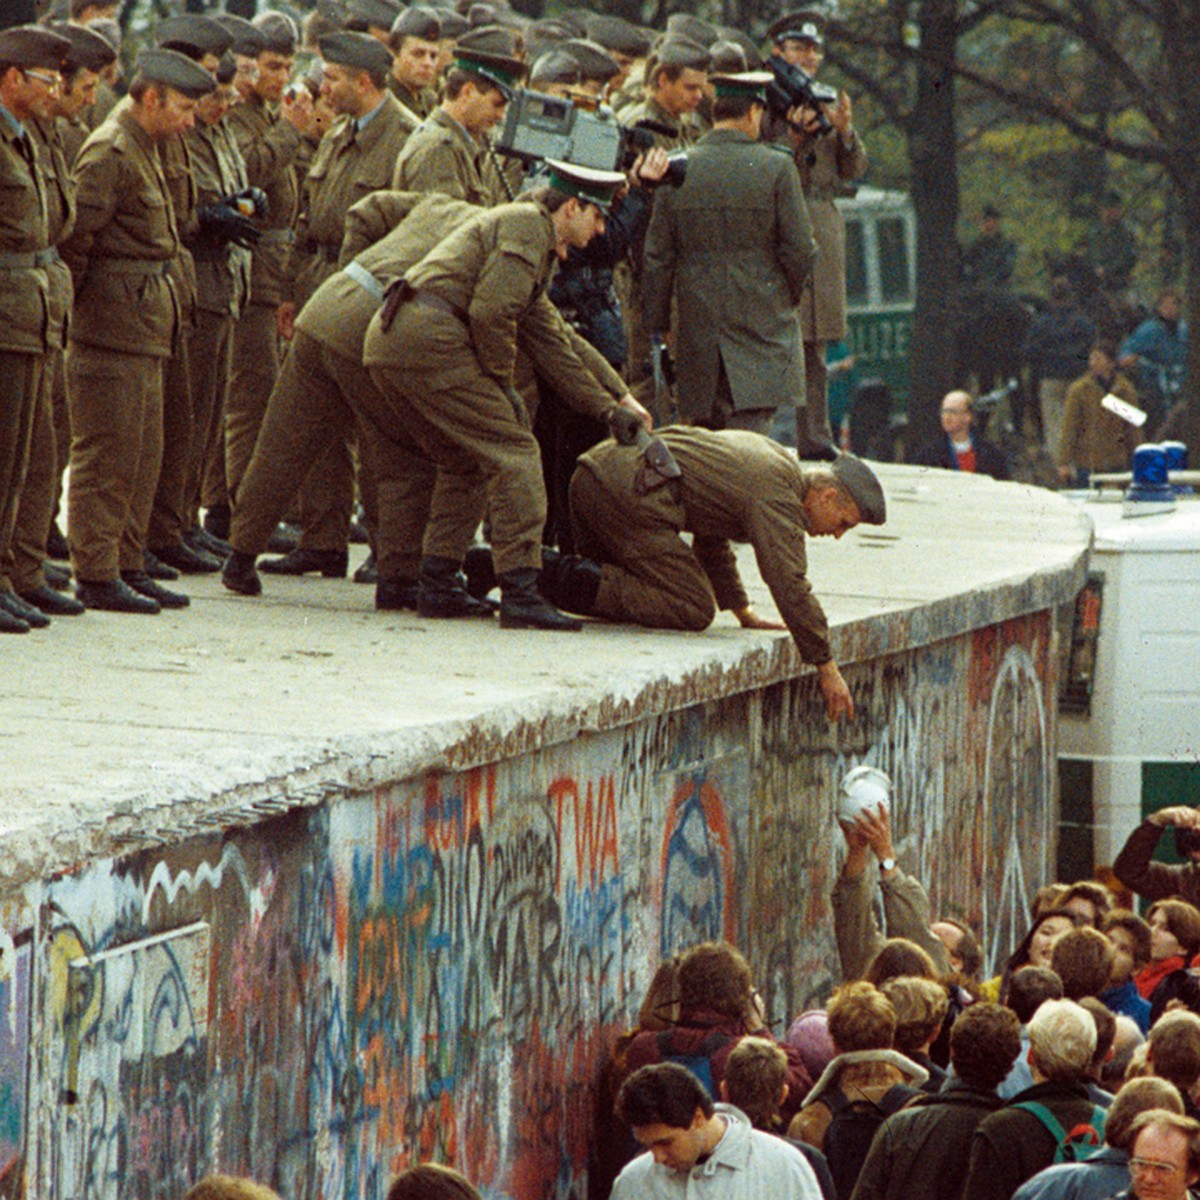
x: 238, y: 574
x: 570, y: 581
x: 444, y: 594
x: 302, y: 561
x: 396, y: 595
x: 521, y: 607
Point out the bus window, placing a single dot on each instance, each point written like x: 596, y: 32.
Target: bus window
x: 893, y: 259
x: 856, y: 264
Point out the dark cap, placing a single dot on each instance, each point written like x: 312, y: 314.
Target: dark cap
x: 17, y: 12
x: 726, y: 58
x: 89, y: 51
x: 595, y: 63
x: 754, y: 60
x: 33, y: 46
x: 802, y: 26
x: 193, y: 35
x: 418, y: 22
x: 555, y: 66
x: 617, y: 34
x: 378, y: 14
x: 279, y: 31
x: 696, y: 30
x: 676, y: 51
x: 495, y: 40
x: 453, y: 24
x: 863, y: 485
x: 584, y: 183
x: 491, y: 53
x: 109, y: 29
x: 358, y: 51
x: 175, y: 70
x: 751, y: 85
x: 248, y: 41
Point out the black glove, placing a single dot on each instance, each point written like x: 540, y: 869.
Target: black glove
x: 250, y: 202
x: 223, y: 225
x: 624, y: 424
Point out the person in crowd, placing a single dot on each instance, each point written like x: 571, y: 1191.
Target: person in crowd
x: 1130, y: 938
x: 989, y: 261
x: 1135, y: 868
x: 1094, y: 439
x: 1164, y: 1163
x: 1033, y: 951
x: 1028, y: 989
x: 1083, y: 959
x: 1173, y: 1053
x: 414, y: 39
x: 922, y: 1151
x: 1088, y: 900
x: 921, y: 1006
x: 1127, y: 1043
x: 1156, y: 353
x: 1056, y: 348
x: 1106, y: 1034
x: 230, y: 1187
x: 430, y: 1181
x: 1111, y: 245
x: 959, y: 447
x: 1174, y: 943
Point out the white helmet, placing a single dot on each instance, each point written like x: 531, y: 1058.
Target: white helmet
x: 863, y: 789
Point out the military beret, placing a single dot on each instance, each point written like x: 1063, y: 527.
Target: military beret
x: 685, y: 25
x: 551, y: 29
x: 33, y: 46
x: 584, y: 183
x: 358, y: 51
x: 575, y: 19
x: 491, y: 53
x: 418, y: 22
x: 726, y: 58
x: 677, y: 51
x: 378, y: 14
x: 89, y: 51
x: 754, y: 60
x: 248, y: 41
x: 175, y: 70
x: 595, y: 63
x: 752, y: 84
x: 109, y: 29
x: 453, y: 24
x: 555, y: 66
x: 279, y: 32
x: 617, y: 34
x: 493, y: 40
x: 18, y: 12
x: 803, y: 26
x: 861, y: 482
x: 194, y: 35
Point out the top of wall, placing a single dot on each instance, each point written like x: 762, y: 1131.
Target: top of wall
x: 120, y: 732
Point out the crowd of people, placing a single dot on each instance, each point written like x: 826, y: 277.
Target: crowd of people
x: 290, y: 277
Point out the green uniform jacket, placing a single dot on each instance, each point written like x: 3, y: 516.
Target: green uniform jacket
x: 24, y: 288
x: 735, y: 247
x: 123, y: 244
x: 441, y: 156
x: 495, y: 270
x: 420, y: 104
x: 270, y: 147
x: 736, y: 487
x: 60, y: 220
x: 222, y: 272
x: 350, y: 163
x: 687, y: 129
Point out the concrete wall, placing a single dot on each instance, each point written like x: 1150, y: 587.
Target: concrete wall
x: 438, y: 967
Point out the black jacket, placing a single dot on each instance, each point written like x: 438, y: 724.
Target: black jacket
x: 989, y: 458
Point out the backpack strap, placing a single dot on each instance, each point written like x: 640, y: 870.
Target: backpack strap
x: 1047, y: 1118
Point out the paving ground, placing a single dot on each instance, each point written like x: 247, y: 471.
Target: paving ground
x: 114, y: 726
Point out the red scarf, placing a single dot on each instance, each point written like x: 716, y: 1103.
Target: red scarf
x: 1152, y: 974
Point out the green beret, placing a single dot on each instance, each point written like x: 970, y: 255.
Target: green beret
x: 358, y: 51
x: 692, y: 28
x: 677, y: 51
x: 279, y: 32
x: 33, y: 46
x: 617, y: 34
x: 193, y: 35
x: 175, y: 70
x: 378, y: 14
x: 248, y: 41
x: 419, y: 22
x: 89, y: 51
x: 555, y: 66
x: 594, y: 61
x: 453, y: 24
x: 863, y: 485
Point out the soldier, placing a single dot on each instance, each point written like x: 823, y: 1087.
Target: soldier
x: 727, y: 486
x: 30, y: 58
x: 830, y: 155
x: 442, y: 351
x: 623, y: 41
x: 372, y: 17
x: 734, y: 247
x: 353, y: 160
x: 120, y: 255
x: 449, y: 152
x: 270, y: 129
x: 414, y: 43
x: 51, y: 429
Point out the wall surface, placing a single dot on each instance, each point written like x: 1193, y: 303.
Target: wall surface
x: 437, y: 967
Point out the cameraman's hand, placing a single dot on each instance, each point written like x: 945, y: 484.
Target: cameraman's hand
x: 841, y: 116
x: 651, y: 166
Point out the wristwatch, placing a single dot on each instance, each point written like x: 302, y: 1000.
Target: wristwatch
x: 886, y: 865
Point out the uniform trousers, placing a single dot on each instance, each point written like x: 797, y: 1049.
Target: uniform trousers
x: 167, y: 517
x: 35, y: 510
x: 18, y: 403
x: 210, y: 356
x: 255, y: 368
x: 116, y: 401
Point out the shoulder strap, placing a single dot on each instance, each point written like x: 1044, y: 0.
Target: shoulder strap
x: 1047, y: 1118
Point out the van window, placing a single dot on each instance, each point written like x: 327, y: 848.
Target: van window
x: 893, y: 259
x: 856, y: 264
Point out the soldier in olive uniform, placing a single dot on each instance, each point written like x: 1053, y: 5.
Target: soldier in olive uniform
x: 731, y: 486
x: 734, y: 247
x: 372, y: 17
x: 829, y: 158
x: 443, y: 351
x: 120, y: 254
x: 449, y: 151
x: 30, y: 58
x: 270, y: 129
x: 414, y: 42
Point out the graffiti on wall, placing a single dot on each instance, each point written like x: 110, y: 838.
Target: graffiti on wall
x: 438, y: 969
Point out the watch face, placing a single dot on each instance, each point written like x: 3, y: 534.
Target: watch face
x: 887, y: 864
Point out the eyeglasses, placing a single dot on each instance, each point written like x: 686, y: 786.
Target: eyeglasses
x: 1158, y: 1170
x: 51, y: 81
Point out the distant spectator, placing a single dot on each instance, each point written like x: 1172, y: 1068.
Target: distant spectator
x: 1174, y: 943
x: 1106, y: 1032
x: 1034, y: 950
x: 430, y: 1181
x: 959, y: 447
x: 718, y: 1006
x: 1088, y: 900
x: 756, y: 1082
x: 962, y: 947
x: 1161, y: 881
x: 920, y: 1006
x: 1164, y: 1160
x: 1111, y: 245
x: 1056, y: 348
x: 1083, y: 959
x: 1173, y: 1052
x: 921, y: 1152
x: 1012, y: 1145
x: 1094, y: 439
x: 1156, y: 353
x: 1028, y: 989
x: 1128, y: 1041
x: 1106, y: 1172
x: 989, y: 261
x: 1130, y: 938
x: 809, y: 1036
x: 1048, y: 896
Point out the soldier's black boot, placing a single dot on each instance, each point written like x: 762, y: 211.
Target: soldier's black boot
x: 480, y: 570
x: 570, y: 581
x: 443, y: 591
x: 522, y: 607
x: 238, y: 574
x: 396, y: 595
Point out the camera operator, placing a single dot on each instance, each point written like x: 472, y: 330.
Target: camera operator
x: 829, y: 154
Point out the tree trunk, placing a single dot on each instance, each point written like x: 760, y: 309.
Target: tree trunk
x: 933, y: 161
